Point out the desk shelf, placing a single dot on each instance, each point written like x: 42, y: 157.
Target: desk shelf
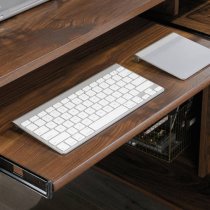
x: 118, y: 45
x: 177, y: 182
x: 45, y: 33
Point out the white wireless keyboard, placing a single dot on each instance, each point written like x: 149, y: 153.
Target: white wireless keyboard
x: 72, y: 118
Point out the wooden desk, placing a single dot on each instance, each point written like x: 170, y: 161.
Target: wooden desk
x: 197, y: 18
x: 63, y: 62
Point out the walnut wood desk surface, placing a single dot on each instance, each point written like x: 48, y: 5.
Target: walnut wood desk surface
x: 116, y: 46
x: 47, y: 32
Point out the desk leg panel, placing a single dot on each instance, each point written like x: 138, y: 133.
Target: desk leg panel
x: 204, y: 154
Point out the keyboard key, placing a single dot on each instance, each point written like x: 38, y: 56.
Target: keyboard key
x: 58, y: 120
x: 99, y: 81
x: 119, y: 69
x: 150, y: 91
x: 87, y: 132
x: 62, y: 146
x: 90, y: 93
x: 69, y: 105
x: 130, y: 104
x: 51, y: 125
x: 146, y: 96
x: 71, y: 141
x: 134, y: 92
x: 87, y: 103
x: 87, y: 122
x: 93, y: 117
x: 60, y: 128
x: 65, y: 100
x: 59, y: 138
x: 123, y: 90
x: 127, y: 80
x: 117, y: 94
x: 107, y: 76
x: 86, y: 88
x: 117, y: 78
x: 97, y: 89
x: 158, y: 89
x: 68, y: 124
x: 42, y: 114
x: 31, y: 127
x: 100, y: 113
x: 108, y: 91
x: 114, y: 104
x: 121, y: 100
x: 80, y: 107
x: 114, y: 87
x: 103, y: 102
x: 138, y: 81
x: 94, y: 99
x: 127, y: 96
x: 101, y: 95
x: 79, y: 126
x: 34, y: 118
x: 121, y: 83
x: 75, y: 119
x: 89, y: 111
x: 55, y: 113
x: 47, y: 118
x: 107, y: 108
x: 78, y: 137
x: 39, y: 122
x: 72, y: 131
x: 144, y: 86
x: 40, y: 131
x: 79, y: 92
x: 71, y: 97
x: 137, y: 99
x: 83, y: 97
x: 110, y: 81
x: 76, y: 101
x: 57, y: 105
x: 104, y: 85
x: 124, y: 73
x: 25, y: 123
x: 113, y: 73
x: 93, y: 84
x: 82, y: 115
x: 73, y: 112
x: 130, y: 86
x: 96, y: 106
x: 108, y: 118
x: 66, y: 116
x: 133, y: 76
x: 50, y: 109
x: 50, y: 134
x: 110, y: 98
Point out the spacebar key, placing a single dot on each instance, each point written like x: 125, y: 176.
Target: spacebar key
x: 108, y: 118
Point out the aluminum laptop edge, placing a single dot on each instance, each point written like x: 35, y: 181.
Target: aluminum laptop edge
x: 9, y: 8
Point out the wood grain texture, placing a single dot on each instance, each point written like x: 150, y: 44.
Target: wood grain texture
x: 118, y: 46
x: 107, y: 192
x: 197, y: 19
x: 204, y: 166
x: 51, y: 30
x: 93, y: 190
x: 176, y: 182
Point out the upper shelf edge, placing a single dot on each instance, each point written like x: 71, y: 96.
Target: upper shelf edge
x: 43, y: 34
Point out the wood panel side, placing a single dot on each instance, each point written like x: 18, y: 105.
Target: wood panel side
x: 204, y: 160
